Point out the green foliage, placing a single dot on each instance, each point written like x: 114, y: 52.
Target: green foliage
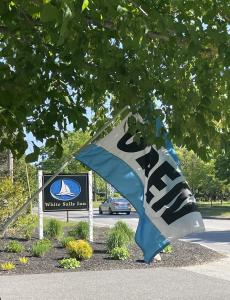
x: 11, y: 198
x: 126, y: 229
x: 7, y: 266
x: 24, y: 260
x: 80, y: 249
x: 20, y: 175
x: 222, y: 166
x: 168, y: 249
x: 176, y: 52
x: 116, y: 195
x: 69, y: 263
x: 80, y: 230
x: 85, y: 4
x: 117, y: 238
x: 25, y: 226
x: 54, y: 229
x: 40, y: 248
x: 70, y: 144
x: 66, y: 240
x: 120, y: 253
x: 201, y: 176
x: 14, y: 247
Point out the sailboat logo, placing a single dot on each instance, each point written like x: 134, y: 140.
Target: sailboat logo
x: 65, y: 189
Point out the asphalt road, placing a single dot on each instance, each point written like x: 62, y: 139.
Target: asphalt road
x: 145, y: 284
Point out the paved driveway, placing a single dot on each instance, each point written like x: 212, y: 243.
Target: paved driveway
x: 145, y: 284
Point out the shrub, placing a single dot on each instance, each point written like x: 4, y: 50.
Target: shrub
x: 116, y: 238
x: 66, y: 240
x: 11, y: 198
x: 40, y: 248
x: 25, y: 226
x: 80, y: 230
x: 53, y: 229
x: 168, y: 249
x: 80, y: 249
x: 120, y: 225
x: 14, y: 247
x: 69, y: 263
x: 7, y: 266
x: 120, y: 253
x: 116, y: 195
x: 23, y: 260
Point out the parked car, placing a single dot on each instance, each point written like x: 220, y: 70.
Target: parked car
x: 115, y: 205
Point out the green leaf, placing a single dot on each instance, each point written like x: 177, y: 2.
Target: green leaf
x: 31, y: 157
x: 49, y: 13
x: 84, y: 5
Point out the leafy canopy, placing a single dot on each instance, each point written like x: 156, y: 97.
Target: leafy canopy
x: 58, y: 57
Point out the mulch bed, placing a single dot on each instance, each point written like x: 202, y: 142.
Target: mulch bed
x: 184, y: 254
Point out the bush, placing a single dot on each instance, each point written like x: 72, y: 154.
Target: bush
x: 168, y: 249
x: 66, y: 240
x: 80, y: 249
x: 14, y: 247
x: 69, y: 263
x: 25, y: 226
x: 121, y: 235
x: 80, y: 231
x: 120, y: 253
x: 11, y: 198
x: 23, y: 260
x: 120, y: 225
x: 7, y: 266
x: 53, y: 229
x: 40, y: 248
x: 115, y: 238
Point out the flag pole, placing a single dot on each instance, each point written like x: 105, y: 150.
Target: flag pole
x: 30, y: 199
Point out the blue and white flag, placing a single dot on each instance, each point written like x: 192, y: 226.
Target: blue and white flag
x: 152, y: 182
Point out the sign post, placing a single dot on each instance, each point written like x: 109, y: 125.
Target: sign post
x: 90, y: 206
x: 40, y: 205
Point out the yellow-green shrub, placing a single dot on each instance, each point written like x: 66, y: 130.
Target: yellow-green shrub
x: 66, y: 240
x: 25, y: 226
x: 7, y: 266
x: 11, y: 198
x: 14, y: 247
x: 80, y: 249
x: 120, y: 253
x: 23, y: 260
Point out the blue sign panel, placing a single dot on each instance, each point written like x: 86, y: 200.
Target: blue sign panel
x: 65, y: 189
x: 66, y: 192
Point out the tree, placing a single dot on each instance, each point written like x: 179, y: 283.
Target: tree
x: 25, y: 175
x: 167, y: 58
x: 201, y: 176
x: 223, y: 166
x: 72, y: 143
x: 193, y: 168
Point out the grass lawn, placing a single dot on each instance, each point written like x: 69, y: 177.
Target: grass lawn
x: 216, y: 210
x: 64, y: 223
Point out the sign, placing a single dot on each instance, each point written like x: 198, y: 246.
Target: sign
x: 66, y: 192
